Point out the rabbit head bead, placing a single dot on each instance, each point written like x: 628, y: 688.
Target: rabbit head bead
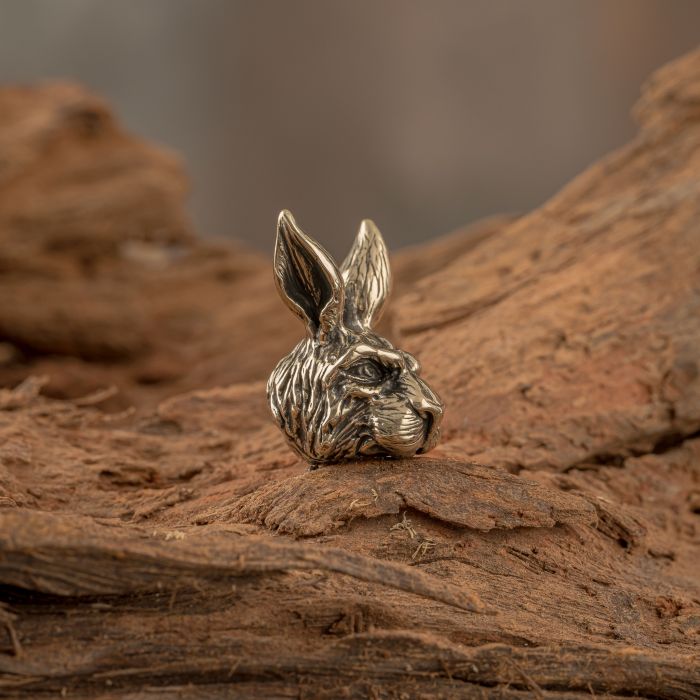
x: 345, y: 392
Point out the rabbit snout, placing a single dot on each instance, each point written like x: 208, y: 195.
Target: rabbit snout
x: 408, y: 419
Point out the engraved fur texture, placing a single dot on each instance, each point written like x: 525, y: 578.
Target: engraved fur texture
x: 345, y: 392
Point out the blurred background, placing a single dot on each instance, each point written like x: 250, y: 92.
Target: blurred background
x: 422, y: 114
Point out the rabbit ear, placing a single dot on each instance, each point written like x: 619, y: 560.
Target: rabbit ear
x: 367, y: 277
x: 307, y: 278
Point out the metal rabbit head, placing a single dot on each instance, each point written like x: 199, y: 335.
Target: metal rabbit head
x: 345, y: 392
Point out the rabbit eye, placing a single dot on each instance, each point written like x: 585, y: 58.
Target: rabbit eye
x: 367, y: 371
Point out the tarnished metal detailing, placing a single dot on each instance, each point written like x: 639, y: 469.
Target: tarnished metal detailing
x: 345, y: 392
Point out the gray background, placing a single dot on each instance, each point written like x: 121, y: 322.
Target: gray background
x: 422, y: 114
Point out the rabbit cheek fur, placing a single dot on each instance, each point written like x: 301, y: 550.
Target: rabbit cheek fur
x: 345, y: 392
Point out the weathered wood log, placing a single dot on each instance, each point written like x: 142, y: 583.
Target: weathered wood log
x: 178, y: 548
x: 69, y: 556
x: 464, y: 495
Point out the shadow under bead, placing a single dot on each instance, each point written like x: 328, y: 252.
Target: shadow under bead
x: 345, y: 392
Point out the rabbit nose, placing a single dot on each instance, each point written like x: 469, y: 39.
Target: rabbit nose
x: 429, y: 411
x: 426, y: 403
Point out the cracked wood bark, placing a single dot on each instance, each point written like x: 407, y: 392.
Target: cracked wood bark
x: 179, y: 548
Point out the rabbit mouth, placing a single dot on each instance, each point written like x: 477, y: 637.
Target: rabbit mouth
x: 368, y: 447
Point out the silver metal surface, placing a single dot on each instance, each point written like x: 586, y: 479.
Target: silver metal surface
x: 345, y: 392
